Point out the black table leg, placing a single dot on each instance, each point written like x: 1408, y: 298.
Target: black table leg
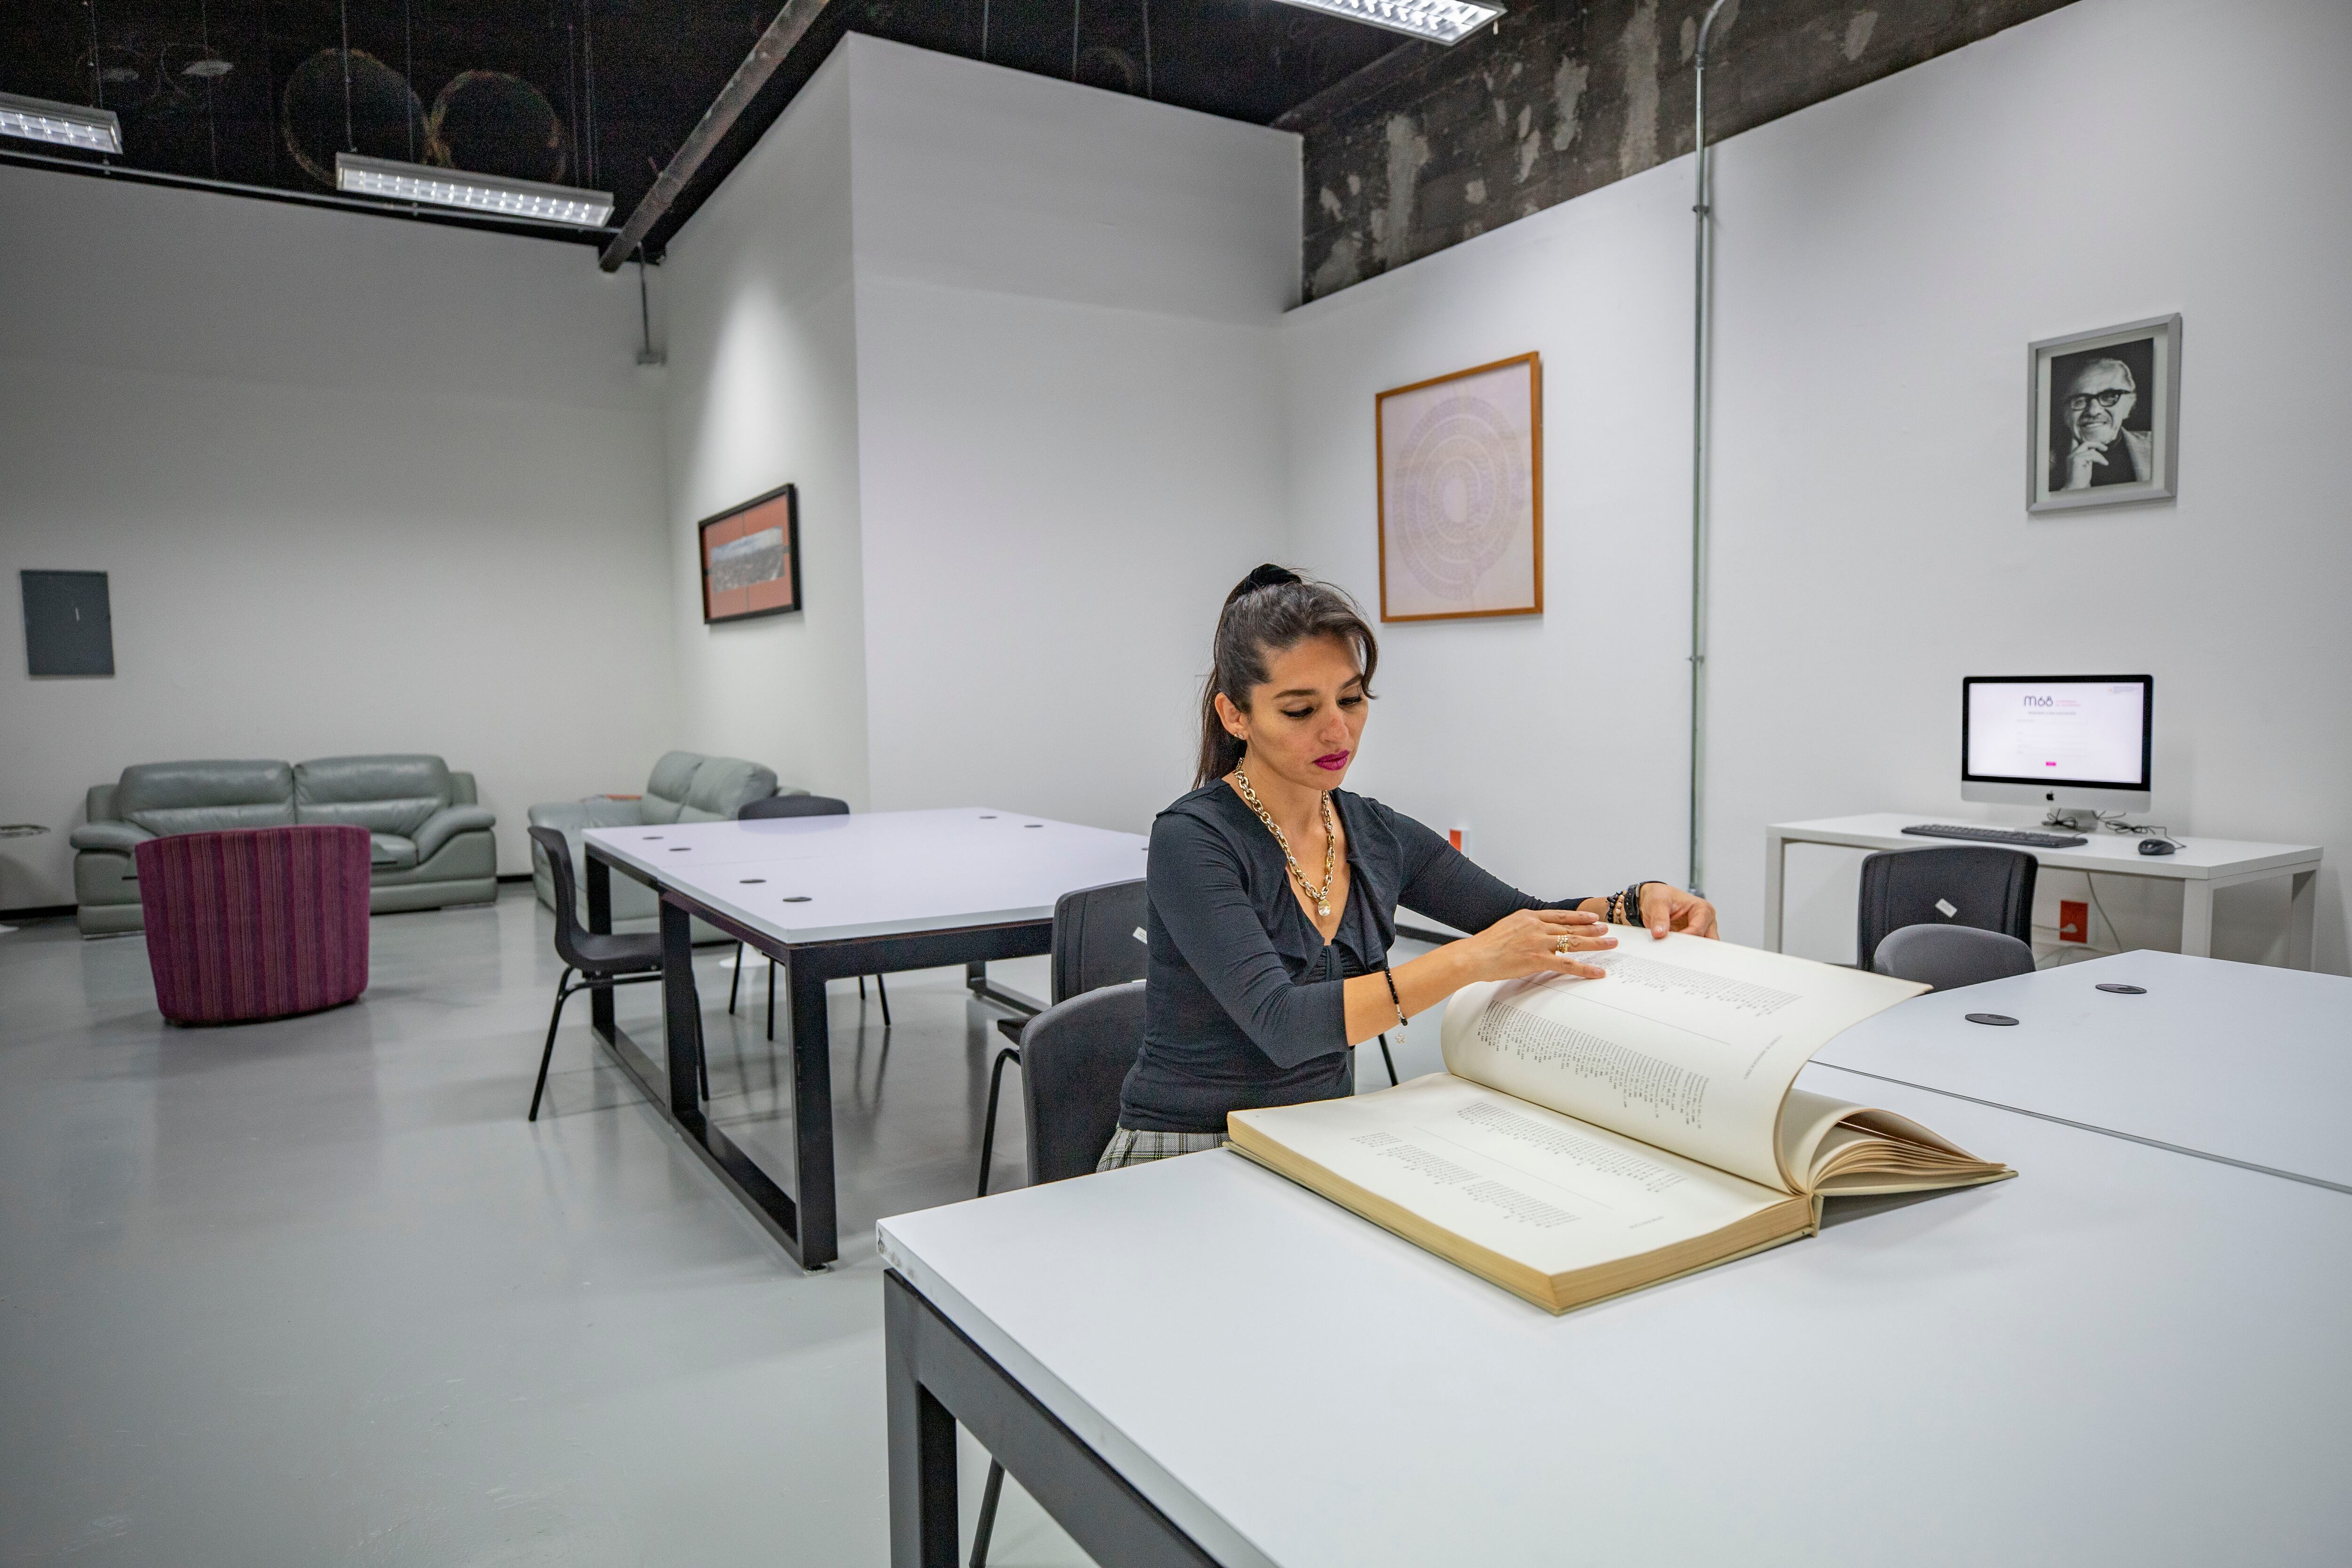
x: 937, y: 1379
x: 922, y: 1444
x: 681, y: 1016
x: 812, y: 1113
x: 600, y: 921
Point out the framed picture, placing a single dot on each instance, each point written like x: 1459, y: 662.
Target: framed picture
x: 1461, y: 493
x: 752, y: 559
x: 2103, y: 416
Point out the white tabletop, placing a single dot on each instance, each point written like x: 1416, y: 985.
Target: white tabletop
x: 2122, y: 1356
x: 2239, y: 1061
x: 888, y: 873
x: 2198, y: 859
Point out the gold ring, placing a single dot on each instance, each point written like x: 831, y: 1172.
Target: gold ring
x: 1562, y: 947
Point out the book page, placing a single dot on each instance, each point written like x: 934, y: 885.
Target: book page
x: 1687, y: 1045
x: 1515, y: 1179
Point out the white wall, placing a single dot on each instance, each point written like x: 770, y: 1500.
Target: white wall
x: 757, y: 296
x: 1069, y: 423
x: 360, y: 485
x: 1884, y: 257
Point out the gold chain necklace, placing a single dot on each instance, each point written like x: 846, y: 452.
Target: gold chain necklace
x: 1322, y: 896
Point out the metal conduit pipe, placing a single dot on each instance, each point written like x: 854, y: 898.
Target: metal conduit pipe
x: 1703, y: 278
x: 717, y: 121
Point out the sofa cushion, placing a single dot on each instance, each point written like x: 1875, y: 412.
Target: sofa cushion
x: 390, y: 851
x: 667, y: 786
x: 206, y: 796
x: 723, y: 785
x: 388, y: 795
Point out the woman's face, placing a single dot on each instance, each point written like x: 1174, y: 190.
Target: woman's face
x: 1303, y: 722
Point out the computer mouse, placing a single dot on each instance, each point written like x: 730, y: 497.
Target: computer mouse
x: 2157, y: 847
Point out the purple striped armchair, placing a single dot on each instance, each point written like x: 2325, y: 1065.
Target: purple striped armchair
x: 255, y: 923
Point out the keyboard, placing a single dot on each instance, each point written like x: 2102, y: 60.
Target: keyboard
x: 1998, y: 836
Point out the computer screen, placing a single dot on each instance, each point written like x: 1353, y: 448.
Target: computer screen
x: 2080, y: 729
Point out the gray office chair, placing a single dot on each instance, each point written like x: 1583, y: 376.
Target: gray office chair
x: 601, y: 962
x: 1097, y: 941
x: 1961, y: 885
x: 1947, y: 957
x: 1074, y: 1058
x: 793, y: 805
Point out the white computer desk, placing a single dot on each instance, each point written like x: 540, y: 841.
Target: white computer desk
x: 2201, y: 866
x: 2232, y: 1061
x: 828, y: 898
x: 2125, y: 1356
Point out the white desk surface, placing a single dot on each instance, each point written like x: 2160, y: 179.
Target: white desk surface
x: 2124, y: 1356
x: 2237, y: 1060
x: 2198, y: 859
x: 887, y: 873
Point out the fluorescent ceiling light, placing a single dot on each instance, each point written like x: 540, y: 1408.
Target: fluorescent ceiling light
x: 67, y: 124
x: 473, y: 192
x: 1439, y: 21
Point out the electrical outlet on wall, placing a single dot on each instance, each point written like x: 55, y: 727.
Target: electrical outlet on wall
x: 2073, y: 921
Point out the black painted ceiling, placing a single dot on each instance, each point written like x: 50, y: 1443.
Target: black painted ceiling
x: 589, y: 92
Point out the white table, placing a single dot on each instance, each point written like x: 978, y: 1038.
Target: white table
x: 2125, y: 1356
x: 828, y: 898
x: 2229, y: 1061
x: 2200, y: 866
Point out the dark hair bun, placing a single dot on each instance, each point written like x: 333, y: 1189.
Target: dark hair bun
x: 1266, y: 576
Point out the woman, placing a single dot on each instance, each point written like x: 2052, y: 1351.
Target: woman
x: 1274, y: 891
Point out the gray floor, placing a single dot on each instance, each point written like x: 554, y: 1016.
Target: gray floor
x: 312, y: 1292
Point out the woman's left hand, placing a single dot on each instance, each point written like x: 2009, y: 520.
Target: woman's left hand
x: 1668, y: 909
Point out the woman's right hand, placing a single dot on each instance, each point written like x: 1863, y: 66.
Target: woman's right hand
x: 1529, y: 941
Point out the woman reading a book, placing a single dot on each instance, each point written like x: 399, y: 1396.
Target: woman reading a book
x: 1274, y: 891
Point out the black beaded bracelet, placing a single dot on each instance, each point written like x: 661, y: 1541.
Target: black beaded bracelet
x: 1394, y: 1001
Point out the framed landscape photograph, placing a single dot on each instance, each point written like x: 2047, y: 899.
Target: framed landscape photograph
x: 2103, y: 416
x: 752, y: 559
x: 1461, y: 493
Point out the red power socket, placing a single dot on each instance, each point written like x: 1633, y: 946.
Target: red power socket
x: 2073, y: 921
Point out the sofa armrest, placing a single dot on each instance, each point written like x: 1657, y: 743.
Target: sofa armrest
x: 462, y: 790
x: 123, y: 836
x: 570, y: 816
x: 448, y: 823
x: 98, y: 804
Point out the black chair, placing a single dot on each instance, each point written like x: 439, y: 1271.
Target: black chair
x: 1074, y: 1058
x: 1961, y: 885
x: 1946, y: 957
x: 1097, y: 941
x: 793, y: 805
x: 601, y: 962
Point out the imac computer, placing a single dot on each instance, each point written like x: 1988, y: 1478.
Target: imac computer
x: 2074, y: 744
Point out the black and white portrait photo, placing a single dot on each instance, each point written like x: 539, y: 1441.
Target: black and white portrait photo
x: 2103, y: 421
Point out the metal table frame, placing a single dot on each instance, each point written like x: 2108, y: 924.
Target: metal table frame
x: 938, y: 1378
x: 802, y: 1221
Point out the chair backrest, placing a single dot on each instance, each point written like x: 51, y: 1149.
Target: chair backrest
x: 391, y: 793
x: 792, y: 806
x: 1949, y: 956
x: 1074, y: 1058
x: 567, y: 901
x: 205, y: 797
x: 1961, y: 884
x: 688, y: 786
x: 1098, y: 938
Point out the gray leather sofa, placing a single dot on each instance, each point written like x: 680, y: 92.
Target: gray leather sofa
x: 430, y: 842
x: 685, y: 786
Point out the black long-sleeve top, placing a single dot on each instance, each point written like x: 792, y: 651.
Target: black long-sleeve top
x: 1242, y: 1001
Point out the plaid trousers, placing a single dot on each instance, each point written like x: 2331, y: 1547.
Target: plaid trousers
x: 1128, y: 1147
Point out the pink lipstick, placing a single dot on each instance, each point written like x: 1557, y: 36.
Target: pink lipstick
x: 1333, y: 762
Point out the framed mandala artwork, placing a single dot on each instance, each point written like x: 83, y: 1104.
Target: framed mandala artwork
x: 1461, y: 493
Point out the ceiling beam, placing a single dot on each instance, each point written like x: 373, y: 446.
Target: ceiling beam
x: 733, y: 98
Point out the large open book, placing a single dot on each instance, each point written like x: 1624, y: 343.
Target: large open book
x: 1594, y: 1136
